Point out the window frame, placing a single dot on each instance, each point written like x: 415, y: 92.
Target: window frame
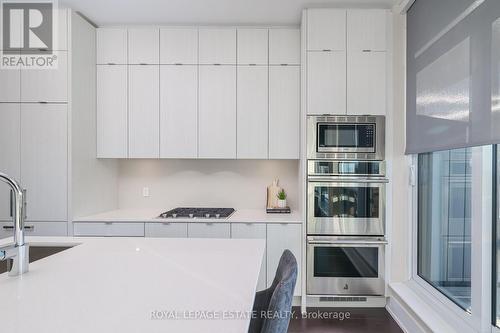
x: 480, y: 315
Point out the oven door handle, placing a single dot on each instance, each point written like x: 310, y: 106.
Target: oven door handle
x: 347, y: 242
x: 364, y: 180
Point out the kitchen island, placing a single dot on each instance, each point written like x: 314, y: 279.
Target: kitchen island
x: 134, y: 285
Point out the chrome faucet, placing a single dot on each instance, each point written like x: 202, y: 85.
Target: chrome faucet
x: 19, y: 251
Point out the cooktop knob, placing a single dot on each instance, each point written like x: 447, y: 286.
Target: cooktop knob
x: 217, y: 215
x: 207, y: 215
x: 191, y: 215
x: 174, y: 215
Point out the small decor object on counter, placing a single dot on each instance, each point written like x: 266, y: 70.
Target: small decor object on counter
x: 276, y: 199
x: 272, y: 194
x: 281, y: 198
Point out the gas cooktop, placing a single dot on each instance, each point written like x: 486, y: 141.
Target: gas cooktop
x: 193, y: 212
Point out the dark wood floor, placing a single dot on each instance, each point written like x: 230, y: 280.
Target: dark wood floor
x: 361, y: 320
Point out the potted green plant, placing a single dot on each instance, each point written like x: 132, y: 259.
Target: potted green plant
x: 281, y: 199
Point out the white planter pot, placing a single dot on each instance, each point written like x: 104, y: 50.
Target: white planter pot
x: 281, y: 203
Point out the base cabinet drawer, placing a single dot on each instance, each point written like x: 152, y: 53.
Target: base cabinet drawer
x: 209, y: 230
x: 35, y: 229
x: 253, y: 231
x: 166, y: 230
x: 108, y: 229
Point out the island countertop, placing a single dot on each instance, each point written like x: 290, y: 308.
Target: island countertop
x: 134, y: 285
x: 151, y: 215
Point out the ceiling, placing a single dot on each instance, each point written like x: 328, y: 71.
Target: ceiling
x: 237, y: 12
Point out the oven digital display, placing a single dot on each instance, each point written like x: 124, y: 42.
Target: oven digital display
x: 346, y: 135
x: 346, y: 262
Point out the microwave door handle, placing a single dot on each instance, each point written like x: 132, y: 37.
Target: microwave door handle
x: 347, y: 242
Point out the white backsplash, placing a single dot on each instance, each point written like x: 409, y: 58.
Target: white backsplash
x: 240, y: 184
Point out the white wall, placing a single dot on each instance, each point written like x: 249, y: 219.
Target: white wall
x: 401, y: 224
x: 231, y: 183
x: 94, y: 182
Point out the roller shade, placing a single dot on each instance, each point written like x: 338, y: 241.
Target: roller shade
x: 453, y: 74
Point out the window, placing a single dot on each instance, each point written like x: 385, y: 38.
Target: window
x: 444, y: 223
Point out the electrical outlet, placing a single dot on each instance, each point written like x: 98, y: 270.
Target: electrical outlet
x: 145, y: 192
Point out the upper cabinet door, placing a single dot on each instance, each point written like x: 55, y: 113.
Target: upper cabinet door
x: 46, y: 85
x: 179, y: 111
x: 143, y: 46
x: 144, y: 112
x: 367, y: 30
x: 284, y: 112
x: 367, y: 78
x: 252, y: 112
x: 326, y: 83
x: 284, y: 46
x: 10, y: 85
x: 111, y: 46
x: 44, y: 160
x: 252, y: 46
x: 112, y: 111
x: 179, y: 46
x: 217, y: 46
x: 326, y: 29
x: 10, y: 151
x: 217, y: 112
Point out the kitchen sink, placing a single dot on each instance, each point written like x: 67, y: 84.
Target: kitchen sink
x: 37, y: 252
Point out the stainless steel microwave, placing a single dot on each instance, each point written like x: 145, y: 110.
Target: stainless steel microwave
x: 346, y: 137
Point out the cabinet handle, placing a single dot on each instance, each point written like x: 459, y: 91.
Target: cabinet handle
x: 283, y: 64
x: 43, y: 102
x: 327, y: 50
x: 216, y: 64
x: 367, y: 50
x: 108, y: 223
x: 178, y: 64
x: 26, y: 227
x: 142, y: 64
x: 111, y: 63
x: 165, y: 223
x: 252, y: 64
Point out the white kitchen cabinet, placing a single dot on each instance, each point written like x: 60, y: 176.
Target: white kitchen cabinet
x: 10, y: 85
x: 284, y: 112
x: 217, y: 112
x: 179, y: 46
x: 144, y: 112
x: 112, y: 114
x: 326, y: 29
x: 366, y: 77
x: 166, y: 230
x: 217, y: 46
x: 281, y: 237
x: 178, y: 111
x: 44, y: 160
x: 253, y: 231
x: 35, y: 229
x: 367, y: 29
x: 46, y: 85
x: 284, y: 46
x: 252, y: 112
x: 112, y: 46
x: 61, y: 42
x: 209, y: 230
x: 252, y: 46
x: 326, y: 82
x: 143, y: 46
x: 108, y: 229
x: 10, y: 151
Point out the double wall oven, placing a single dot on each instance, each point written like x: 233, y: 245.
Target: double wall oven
x: 346, y: 205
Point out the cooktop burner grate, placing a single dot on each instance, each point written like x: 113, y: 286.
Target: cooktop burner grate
x: 194, y: 212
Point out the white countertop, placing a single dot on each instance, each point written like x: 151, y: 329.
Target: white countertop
x: 151, y: 215
x: 114, y: 284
